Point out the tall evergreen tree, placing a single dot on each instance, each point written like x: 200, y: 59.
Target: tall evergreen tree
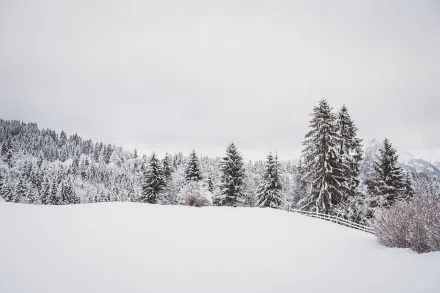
x: 67, y: 193
x: 54, y: 198
x: 301, y: 185
x: 107, y: 153
x: 21, y: 189
x: 2, y: 180
x: 232, y: 178
x: 7, y: 152
x: 7, y: 193
x: 322, y: 166
x: 192, y: 171
x: 45, y: 192
x: 210, y: 184
x: 270, y: 189
x: 167, y: 168
x: 350, y: 158
x: 387, y: 184
x: 350, y: 149
x: 169, y: 193
x: 32, y: 195
x: 154, y: 183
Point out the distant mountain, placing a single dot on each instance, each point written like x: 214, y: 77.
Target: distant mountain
x: 407, y: 161
x: 412, y: 164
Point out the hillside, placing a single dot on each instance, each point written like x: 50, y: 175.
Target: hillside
x: 132, y: 247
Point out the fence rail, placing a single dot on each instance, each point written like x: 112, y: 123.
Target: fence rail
x: 335, y: 219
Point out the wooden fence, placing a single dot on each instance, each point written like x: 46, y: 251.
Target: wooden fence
x: 336, y: 220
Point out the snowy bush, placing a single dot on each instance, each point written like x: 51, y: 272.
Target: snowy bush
x: 195, y: 194
x: 414, y: 224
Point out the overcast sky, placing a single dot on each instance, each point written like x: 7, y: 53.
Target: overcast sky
x: 177, y: 75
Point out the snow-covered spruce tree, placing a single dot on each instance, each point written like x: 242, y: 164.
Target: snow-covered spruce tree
x: 210, y: 184
x: 302, y: 186
x: 168, y: 196
x: 7, y: 193
x: 192, y: 170
x: 350, y: 158
x: 32, y: 195
x: 21, y: 189
x: 67, y: 193
x: 387, y: 184
x: 45, y: 192
x: 153, y: 185
x: 167, y: 167
x: 350, y: 148
x: 54, y: 198
x: 5, y: 189
x: 270, y: 190
x: 7, y: 152
x: 232, y: 179
x: 321, y: 163
x: 2, y: 180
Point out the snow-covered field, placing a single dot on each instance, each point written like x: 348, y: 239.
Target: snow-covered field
x: 129, y: 247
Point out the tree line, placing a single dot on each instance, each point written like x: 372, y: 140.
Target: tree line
x: 333, y: 175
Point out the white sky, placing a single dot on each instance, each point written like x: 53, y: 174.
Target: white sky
x: 177, y: 75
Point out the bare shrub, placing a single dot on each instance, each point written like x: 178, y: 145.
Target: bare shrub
x: 414, y: 224
x: 195, y: 194
x: 196, y: 200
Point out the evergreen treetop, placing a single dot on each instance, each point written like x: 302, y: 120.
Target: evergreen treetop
x: 232, y: 178
x: 270, y: 189
x: 322, y: 167
x: 192, y: 171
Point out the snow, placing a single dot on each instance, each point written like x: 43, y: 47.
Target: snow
x: 130, y: 247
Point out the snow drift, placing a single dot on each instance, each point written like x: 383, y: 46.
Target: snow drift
x: 129, y: 247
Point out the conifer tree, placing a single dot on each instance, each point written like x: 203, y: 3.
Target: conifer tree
x: 54, y: 198
x: 7, y: 152
x: 67, y: 193
x: 168, y: 195
x: 167, y: 168
x: 301, y: 185
x: 387, y: 184
x: 5, y: 190
x: 7, y: 193
x: 21, y: 189
x: 322, y: 167
x: 210, y: 184
x: 270, y: 189
x: 2, y: 181
x: 192, y: 171
x: 107, y: 154
x: 350, y: 149
x: 350, y: 157
x: 6, y: 147
x: 232, y: 178
x: 32, y: 195
x: 154, y: 184
x: 45, y: 192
